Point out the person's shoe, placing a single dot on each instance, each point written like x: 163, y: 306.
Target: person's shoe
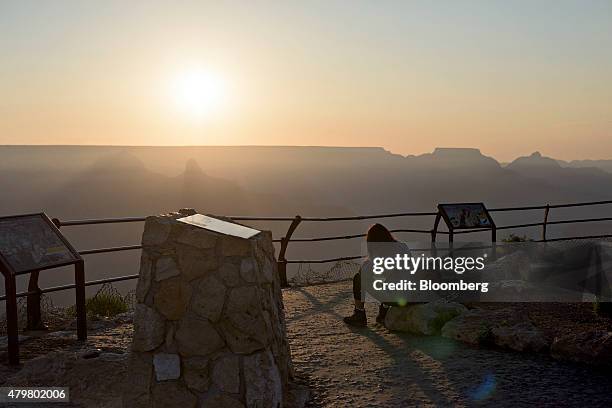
x: 382, y: 312
x: 357, y: 319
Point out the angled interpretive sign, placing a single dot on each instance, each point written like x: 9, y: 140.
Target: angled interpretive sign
x: 32, y: 242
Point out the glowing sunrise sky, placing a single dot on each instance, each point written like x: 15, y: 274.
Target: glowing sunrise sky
x: 508, y: 77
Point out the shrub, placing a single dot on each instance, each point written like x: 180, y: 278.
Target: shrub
x: 107, y: 302
x: 516, y: 238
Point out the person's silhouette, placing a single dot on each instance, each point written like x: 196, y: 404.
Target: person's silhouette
x: 376, y: 233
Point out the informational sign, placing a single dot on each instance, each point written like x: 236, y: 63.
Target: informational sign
x: 466, y: 216
x: 32, y: 242
x: 220, y: 226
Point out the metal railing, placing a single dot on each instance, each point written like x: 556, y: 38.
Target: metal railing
x: 297, y: 220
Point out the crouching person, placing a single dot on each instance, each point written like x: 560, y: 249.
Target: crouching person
x: 377, y: 233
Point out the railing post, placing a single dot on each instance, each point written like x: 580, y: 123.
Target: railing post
x: 434, y: 234
x: 79, y: 280
x: 434, y: 230
x: 33, y: 304
x: 282, y: 261
x: 546, y: 211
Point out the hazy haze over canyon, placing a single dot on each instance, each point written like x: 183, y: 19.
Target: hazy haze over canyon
x: 72, y: 182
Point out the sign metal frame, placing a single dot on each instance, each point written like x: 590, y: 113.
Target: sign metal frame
x: 9, y: 272
x: 442, y: 213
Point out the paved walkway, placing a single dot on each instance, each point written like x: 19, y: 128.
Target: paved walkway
x: 373, y: 367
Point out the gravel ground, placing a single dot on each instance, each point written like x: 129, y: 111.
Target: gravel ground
x: 373, y: 367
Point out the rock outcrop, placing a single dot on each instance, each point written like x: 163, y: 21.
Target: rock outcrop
x: 592, y: 347
x: 209, y: 327
x: 427, y: 318
x: 500, y: 327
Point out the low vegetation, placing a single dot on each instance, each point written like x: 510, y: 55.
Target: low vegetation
x: 107, y: 302
x: 516, y: 238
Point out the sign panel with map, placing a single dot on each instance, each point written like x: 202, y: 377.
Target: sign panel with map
x: 466, y: 216
x: 32, y: 242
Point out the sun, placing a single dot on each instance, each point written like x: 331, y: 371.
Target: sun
x: 199, y: 93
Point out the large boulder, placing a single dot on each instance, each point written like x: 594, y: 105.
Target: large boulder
x: 501, y: 327
x: 522, y: 336
x: 592, y: 347
x: 472, y: 327
x: 425, y: 318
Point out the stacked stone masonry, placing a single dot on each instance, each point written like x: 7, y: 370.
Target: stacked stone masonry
x: 209, y: 328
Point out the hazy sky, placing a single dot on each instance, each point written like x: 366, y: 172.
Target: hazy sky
x: 509, y: 77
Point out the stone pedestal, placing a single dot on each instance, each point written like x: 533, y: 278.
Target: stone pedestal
x: 209, y: 326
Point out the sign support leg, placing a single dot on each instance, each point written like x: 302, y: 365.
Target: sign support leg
x: 12, y: 319
x: 79, y: 279
x: 34, y: 314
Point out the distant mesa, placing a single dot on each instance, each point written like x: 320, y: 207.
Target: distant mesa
x: 456, y: 157
x: 457, y: 152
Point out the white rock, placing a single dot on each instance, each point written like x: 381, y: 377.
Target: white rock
x: 167, y: 366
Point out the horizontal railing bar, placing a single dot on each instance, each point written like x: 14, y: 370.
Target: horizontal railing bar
x: 581, y: 204
x: 345, y: 258
x: 339, y: 237
x: 253, y: 218
x: 95, y: 221
x: 112, y: 249
x: 527, y: 208
x: 347, y: 218
x: 580, y: 220
x: 467, y: 231
x: 542, y: 207
x: 417, y: 231
x: 72, y: 285
x: 537, y: 224
x: 110, y: 280
x: 532, y: 224
x: 572, y: 238
x: 369, y: 217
